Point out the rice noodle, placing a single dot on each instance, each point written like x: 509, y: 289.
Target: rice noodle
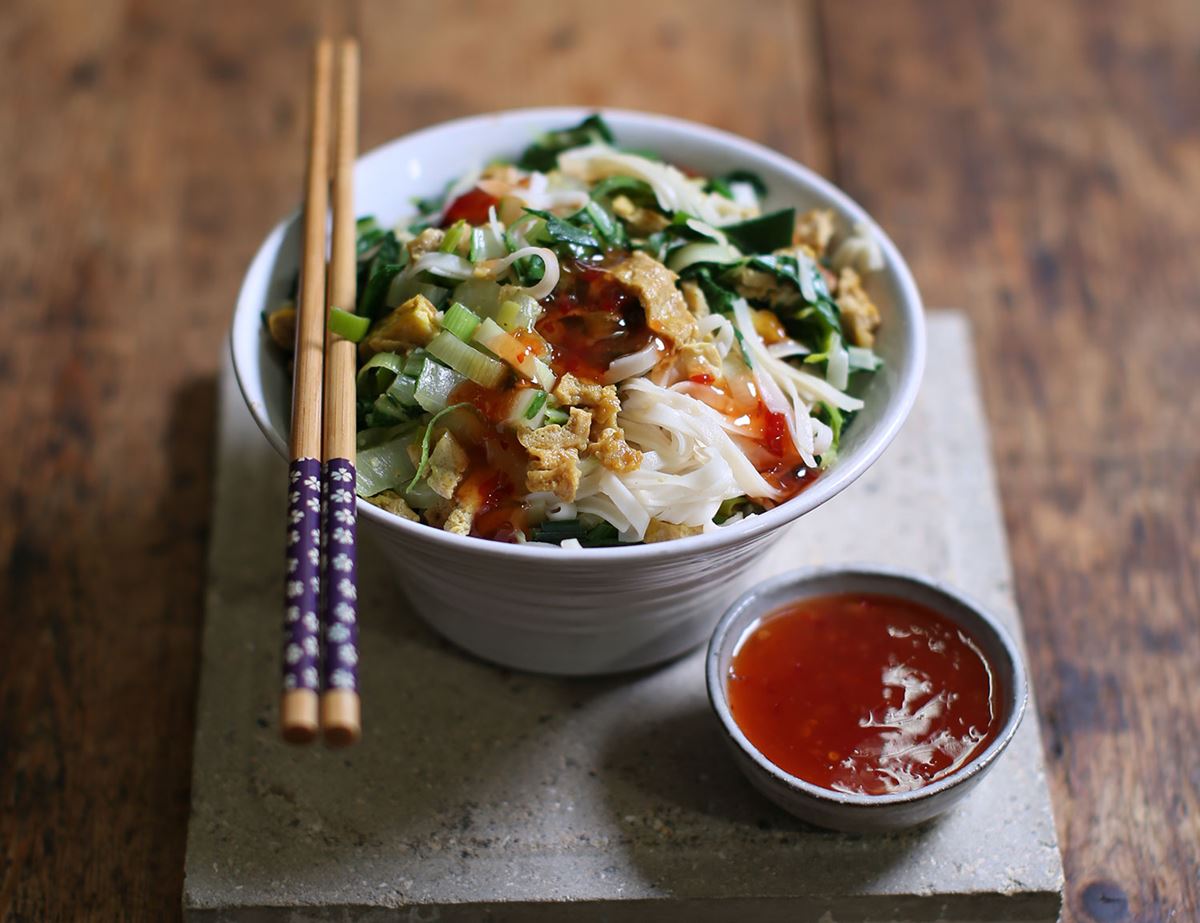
x: 491, y: 269
x: 674, y: 191
x: 785, y: 349
x: 634, y: 364
x: 807, y: 384
x: 452, y: 266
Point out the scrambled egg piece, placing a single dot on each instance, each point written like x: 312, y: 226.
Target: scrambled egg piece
x: 860, y: 317
x: 642, y: 221
x: 447, y: 464
x: 699, y: 358
x: 693, y: 297
x: 768, y: 326
x: 667, y: 313
x: 391, y: 501
x: 554, y: 455
x: 605, y: 440
x: 281, y: 324
x: 413, y: 323
x: 659, y: 531
x: 455, y: 515
x: 425, y: 242
x: 814, y: 231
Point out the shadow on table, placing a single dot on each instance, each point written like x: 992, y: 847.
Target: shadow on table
x: 709, y: 832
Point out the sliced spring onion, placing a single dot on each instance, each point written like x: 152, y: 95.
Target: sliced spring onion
x: 487, y: 244
x: 519, y: 314
x: 414, y: 362
x: 701, y: 252
x: 863, y: 359
x: 384, y: 467
x: 454, y: 235
x: 404, y: 389
x: 423, y: 467
x: 348, y: 326
x: 481, y: 369
x: 507, y: 347
x: 434, y: 387
x: 378, y: 373
x: 535, y: 406
x: 837, y: 369
x: 387, y: 411
x: 460, y: 320
x: 543, y: 374
x: 405, y: 286
x: 527, y: 408
x: 556, y: 415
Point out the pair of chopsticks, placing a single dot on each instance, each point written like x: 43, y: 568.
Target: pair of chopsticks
x: 320, y: 655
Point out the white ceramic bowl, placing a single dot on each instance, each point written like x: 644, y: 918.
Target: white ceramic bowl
x: 597, y: 610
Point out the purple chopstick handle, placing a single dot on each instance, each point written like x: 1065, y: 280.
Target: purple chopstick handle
x: 341, y: 577
x: 302, y: 584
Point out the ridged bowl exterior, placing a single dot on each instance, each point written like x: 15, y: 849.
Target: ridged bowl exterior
x: 589, y: 610
x: 577, y: 618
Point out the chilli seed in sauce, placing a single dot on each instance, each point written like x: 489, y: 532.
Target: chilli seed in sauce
x: 863, y: 693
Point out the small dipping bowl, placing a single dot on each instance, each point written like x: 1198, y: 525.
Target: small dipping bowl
x: 853, y: 812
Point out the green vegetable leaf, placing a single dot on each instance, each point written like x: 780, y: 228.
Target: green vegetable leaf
x: 427, y: 437
x: 723, y: 184
x: 560, y: 234
x: 764, y: 233
x: 557, y: 531
x: 543, y: 153
x: 374, y: 293
x: 637, y: 190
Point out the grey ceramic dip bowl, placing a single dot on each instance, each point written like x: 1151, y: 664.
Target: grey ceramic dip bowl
x: 857, y: 813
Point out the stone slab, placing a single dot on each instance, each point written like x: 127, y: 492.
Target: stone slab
x: 480, y: 793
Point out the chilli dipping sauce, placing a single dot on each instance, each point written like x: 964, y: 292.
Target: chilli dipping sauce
x: 864, y: 693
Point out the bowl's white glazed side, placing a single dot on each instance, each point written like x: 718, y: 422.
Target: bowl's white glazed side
x: 582, y: 620
x: 637, y: 604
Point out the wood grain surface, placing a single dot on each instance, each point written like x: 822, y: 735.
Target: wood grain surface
x: 1039, y: 163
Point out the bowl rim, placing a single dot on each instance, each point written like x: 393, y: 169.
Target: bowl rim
x: 839, y: 477
x: 725, y: 634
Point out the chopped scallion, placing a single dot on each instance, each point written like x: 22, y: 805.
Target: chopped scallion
x: 454, y: 236
x: 348, y: 326
x: 460, y: 320
x: 434, y: 387
x: 427, y: 437
x: 481, y: 369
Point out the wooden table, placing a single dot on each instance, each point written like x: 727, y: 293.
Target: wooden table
x: 1038, y: 162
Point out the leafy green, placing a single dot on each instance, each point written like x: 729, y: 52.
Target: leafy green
x: 800, y: 298
x: 636, y: 190
x: 380, y: 259
x: 719, y: 298
x: 543, y: 153
x: 723, y: 184
x: 374, y: 293
x: 589, y: 536
x: 764, y: 233
x: 734, y: 505
x: 837, y: 422
x: 427, y: 437
x: 559, y: 234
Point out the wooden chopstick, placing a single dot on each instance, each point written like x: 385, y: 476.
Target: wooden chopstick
x: 340, y: 709
x: 298, y: 713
